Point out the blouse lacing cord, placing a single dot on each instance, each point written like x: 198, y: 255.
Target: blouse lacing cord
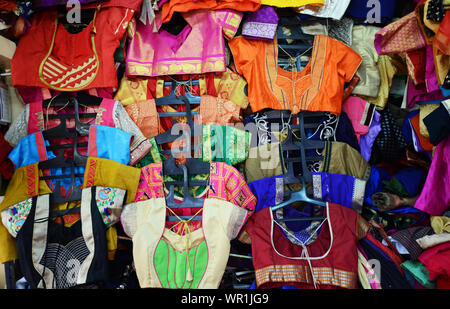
x: 305, y: 253
x: 187, y: 233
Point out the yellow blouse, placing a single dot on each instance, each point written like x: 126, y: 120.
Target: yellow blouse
x: 292, y: 3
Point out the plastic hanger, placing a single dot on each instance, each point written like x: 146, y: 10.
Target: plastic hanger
x: 301, y: 45
x: 87, y: 99
x: 173, y: 99
x: 195, y: 129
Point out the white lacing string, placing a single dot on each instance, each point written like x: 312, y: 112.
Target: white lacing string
x: 305, y: 253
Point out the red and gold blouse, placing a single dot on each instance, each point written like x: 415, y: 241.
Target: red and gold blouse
x: 48, y: 56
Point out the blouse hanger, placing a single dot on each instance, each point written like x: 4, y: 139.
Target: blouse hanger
x: 75, y: 191
x: 289, y: 54
x: 61, y: 130
x: 300, y: 196
x: 193, y: 99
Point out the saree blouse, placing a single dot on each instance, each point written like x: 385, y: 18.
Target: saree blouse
x: 216, y: 143
x: 212, y: 110
x: 197, y: 260
x: 198, y: 48
x: 33, y: 118
x: 330, y: 261
x: 317, y: 87
x: 344, y: 190
x: 32, y: 148
x: 53, y: 255
x: 48, y: 56
x: 267, y: 127
x: 224, y: 183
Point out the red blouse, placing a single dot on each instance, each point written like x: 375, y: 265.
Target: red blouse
x: 332, y: 255
x: 48, y: 56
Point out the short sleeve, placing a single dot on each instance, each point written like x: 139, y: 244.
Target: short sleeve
x: 348, y: 60
x: 27, y: 151
x: 229, y: 20
x: 244, y: 54
x: 128, y: 219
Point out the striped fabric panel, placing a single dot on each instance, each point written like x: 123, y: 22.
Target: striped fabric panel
x: 302, y: 274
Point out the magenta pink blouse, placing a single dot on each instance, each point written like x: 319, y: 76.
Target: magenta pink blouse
x: 198, y: 48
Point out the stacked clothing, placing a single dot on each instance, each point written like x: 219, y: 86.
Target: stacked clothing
x: 315, y: 142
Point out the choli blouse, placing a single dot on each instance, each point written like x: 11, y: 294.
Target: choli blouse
x: 197, y: 260
x: 198, y: 48
x: 33, y: 118
x: 25, y: 184
x: 317, y: 87
x: 330, y: 261
x: 224, y: 183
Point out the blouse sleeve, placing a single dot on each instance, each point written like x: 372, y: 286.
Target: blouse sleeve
x: 110, y: 203
x: 238, y: 191
x: 348, y: 60
x: 229, y: 20
x: 140, y: 146
x: 244, y: 54
x: 238, y: 218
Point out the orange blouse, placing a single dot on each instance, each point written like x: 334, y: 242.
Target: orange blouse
x: 184, y: 6
x: 317, y: 87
